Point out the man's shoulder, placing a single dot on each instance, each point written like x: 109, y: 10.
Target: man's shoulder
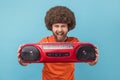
x: 44, y: 39
x: 73, y: 39
x: 47, y: 39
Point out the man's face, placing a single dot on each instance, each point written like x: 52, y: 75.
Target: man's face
x: 60, y: 31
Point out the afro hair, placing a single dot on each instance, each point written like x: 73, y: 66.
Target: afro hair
x: 60, y: 14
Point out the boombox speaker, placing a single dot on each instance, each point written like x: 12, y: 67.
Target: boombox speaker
x: 57, y: 52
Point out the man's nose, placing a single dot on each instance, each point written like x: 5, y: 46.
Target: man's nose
x: 59, y: 28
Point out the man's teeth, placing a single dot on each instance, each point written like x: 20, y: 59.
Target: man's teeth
x: 60, y: 33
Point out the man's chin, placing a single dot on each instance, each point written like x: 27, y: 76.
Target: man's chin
x: 60, y: 38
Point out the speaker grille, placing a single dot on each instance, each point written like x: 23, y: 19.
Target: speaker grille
x: 30, y: 53
x: 86, y: 53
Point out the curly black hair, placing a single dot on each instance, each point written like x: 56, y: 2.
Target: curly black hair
x: 60, y: 14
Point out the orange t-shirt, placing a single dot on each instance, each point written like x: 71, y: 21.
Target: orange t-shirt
x: 58, y: 71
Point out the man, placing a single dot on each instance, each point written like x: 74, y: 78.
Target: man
x: 60, y: 20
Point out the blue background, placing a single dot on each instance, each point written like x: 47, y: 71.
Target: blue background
x: 98, y: 22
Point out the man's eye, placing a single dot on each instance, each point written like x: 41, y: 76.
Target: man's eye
x: 56, y: 26
x: 63, y: 26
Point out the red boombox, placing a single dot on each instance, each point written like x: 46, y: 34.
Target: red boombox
x: 57, y: 52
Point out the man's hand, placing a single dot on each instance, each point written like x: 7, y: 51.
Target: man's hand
x: 19, y: 60
x: 94, y: 62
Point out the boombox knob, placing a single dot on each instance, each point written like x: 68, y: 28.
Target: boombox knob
x: 30, y: 53
x: 86, y: 53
